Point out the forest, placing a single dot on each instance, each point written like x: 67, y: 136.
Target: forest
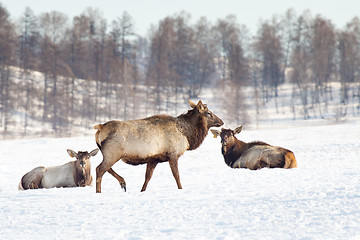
x: 59, y: 73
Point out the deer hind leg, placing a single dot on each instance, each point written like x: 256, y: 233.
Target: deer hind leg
x: 175, y: 171
x: 33, y: 179
x: 103, y: 167
x: 100, y: 170
x: 119, y: 178
x: 150, y: 166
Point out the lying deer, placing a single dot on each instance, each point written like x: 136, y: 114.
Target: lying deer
x: 72, y: 174
x: 152, y: 140
x: 253, y: 155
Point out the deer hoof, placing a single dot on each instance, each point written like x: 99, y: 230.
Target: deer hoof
x: 123, y: 186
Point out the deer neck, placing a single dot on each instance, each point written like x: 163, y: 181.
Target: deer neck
x: 194, y: 127
x: 234, y: 152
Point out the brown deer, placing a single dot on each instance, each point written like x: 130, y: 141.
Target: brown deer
x: 253, y: 155
x: 72, y: 174
x: 152, y: 140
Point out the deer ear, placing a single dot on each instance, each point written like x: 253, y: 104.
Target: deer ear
x: 192, y: 104
x: 237, y: 130
x: 215, y: 132
x: 94, y: 152
x: 200, y: 106
x: 71, y: 153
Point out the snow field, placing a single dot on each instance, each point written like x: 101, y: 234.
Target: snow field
x: 318, y: 200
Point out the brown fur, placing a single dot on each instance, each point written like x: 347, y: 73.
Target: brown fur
x: 253, y: 155
x: 152, y: 140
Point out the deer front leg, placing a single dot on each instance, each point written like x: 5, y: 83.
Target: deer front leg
x: 150, y: 166
x: 175, y: 171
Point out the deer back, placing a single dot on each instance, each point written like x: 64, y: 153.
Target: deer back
x: 59, y: 176
x: 142, y: 138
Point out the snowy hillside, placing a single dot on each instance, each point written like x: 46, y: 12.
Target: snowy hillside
x: 318, y: 200
x: 258, y: 111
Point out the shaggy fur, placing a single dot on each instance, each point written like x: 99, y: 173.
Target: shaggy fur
x: 152, y: 140
x: 253, y: 155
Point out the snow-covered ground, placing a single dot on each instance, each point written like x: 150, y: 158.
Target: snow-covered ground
x: 318, y: 200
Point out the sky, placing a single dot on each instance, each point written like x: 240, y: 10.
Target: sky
x: 147, y: 12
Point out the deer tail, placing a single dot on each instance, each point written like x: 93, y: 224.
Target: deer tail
x: 290, y: 161
x: 97, y: 135
x: 20, y: 187
x: 98, y: 127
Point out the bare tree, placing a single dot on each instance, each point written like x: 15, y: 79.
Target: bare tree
x: 288, y: 33
x: 202, y: 63
x: 160, y: 69
x: 123, y: 30
x: 93, y: 43
x: 28, y: 45
x: 300, y: 61
x: 270, y: 49
x: 137, y: 75
x: 234, y: 67
x: 349, y: 62
x: 322, y: 61
x: 53, y: 28
x: 7, y: 42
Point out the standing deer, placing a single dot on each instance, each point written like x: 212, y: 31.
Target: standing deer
x: 72, y: 174
x: 253, y: 155
x: 152, y: 140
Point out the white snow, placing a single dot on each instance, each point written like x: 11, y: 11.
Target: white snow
x: 318, y: 200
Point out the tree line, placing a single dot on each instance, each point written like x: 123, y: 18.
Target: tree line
x: 61, y: 73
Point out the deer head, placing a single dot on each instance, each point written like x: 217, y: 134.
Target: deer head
x: 211, y: 119
x: 82, y: 162
x: 227, y: 137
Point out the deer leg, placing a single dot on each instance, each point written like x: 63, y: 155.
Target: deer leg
x: 150, y: 166
x: 99, y: 174
x: 119, y: 178
x: 100, y: 170
x: 175, y: 171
